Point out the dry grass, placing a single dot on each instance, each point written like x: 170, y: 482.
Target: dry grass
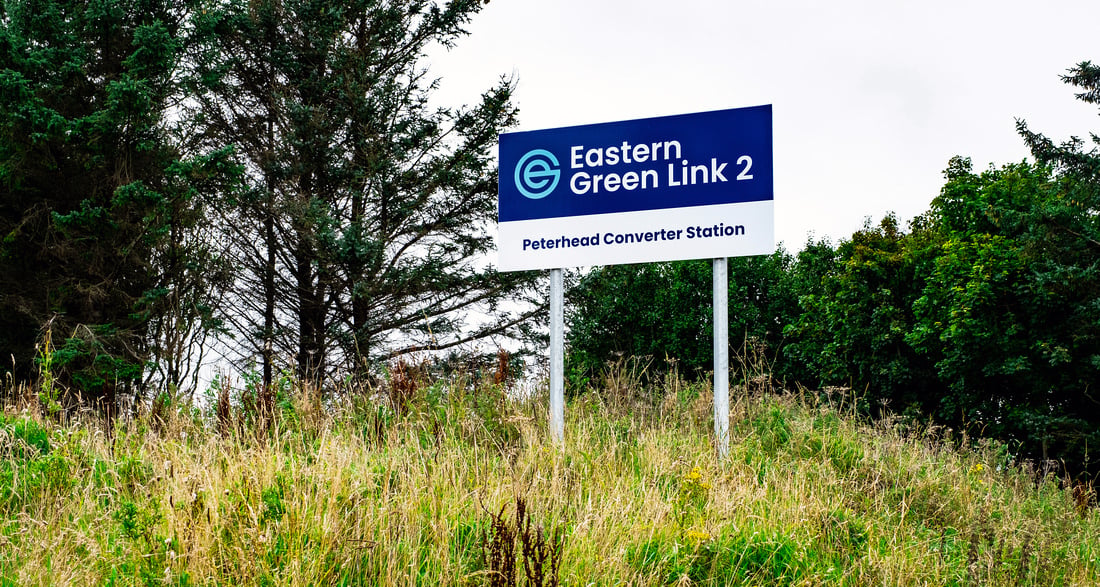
x: 364, y: 495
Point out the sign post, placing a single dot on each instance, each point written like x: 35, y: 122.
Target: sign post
x: 557, y: 357
x: 691, y: 186
x: 721, y: 357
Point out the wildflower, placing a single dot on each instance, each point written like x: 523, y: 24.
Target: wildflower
x: 697, y: 537
x: 977, y: 468
x: 694, y: 479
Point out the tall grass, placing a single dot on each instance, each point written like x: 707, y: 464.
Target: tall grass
x: 370, y: 493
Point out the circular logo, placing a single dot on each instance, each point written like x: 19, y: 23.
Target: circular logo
x: 537, y: 174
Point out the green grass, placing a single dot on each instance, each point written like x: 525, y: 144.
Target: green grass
x: 360, y: 495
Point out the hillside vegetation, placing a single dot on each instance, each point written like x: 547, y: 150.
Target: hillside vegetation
x: 459, y: 485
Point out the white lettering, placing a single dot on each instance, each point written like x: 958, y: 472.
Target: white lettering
x: 611, y: 182
x: 672, y: 144
x: 611, y: 156
x: 716, y: 170
x: 580, y: 183
x: 594, y: 158
x: 630, y: 180
x: 625, y: 154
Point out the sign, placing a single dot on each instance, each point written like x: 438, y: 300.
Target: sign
x: 690, y: 186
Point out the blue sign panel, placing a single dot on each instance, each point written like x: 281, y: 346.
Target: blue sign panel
x: 660, y: 189
x: 703, y: 159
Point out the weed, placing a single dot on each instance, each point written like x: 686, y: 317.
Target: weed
x: 404, y: 381
x: 624, y: 382
x: 47, y: 382
x: 732, y: 558
x: 752, y: 368
x: 274, y: 506
x: 22, y: 438
x: 772, y: 430
x: 504, y: 374
x: 138, y: 522
x: 691, y: 499
x: 540, y: 550
x: 1084, y: 497
x: 363, y: 495
x: 223, y: 411
x: 500, y: 550
x: 577, y: 381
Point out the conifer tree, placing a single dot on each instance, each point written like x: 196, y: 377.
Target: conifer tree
x: 365, y: 230
x: 96, y: 202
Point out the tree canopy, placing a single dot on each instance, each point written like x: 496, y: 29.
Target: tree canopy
x: 273, y: 171
x: 278, y: 173
x: 982, y: 315
x: 366, y: 218
x: 97, y: 200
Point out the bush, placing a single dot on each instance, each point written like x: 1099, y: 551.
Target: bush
x: 665, y: 311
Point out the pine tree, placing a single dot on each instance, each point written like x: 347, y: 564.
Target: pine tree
x: 366, y: 227
x: 95, y: 202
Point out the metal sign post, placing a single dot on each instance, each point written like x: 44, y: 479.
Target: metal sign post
x: 721, y: 359
x: 557, y: 358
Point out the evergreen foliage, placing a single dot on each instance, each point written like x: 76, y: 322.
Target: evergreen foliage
x: 96, y: 201
x: 368, y: 206
x: 278, y: 171
x: 663, y: 310
x: 983, y: 316
x: 271, y: 170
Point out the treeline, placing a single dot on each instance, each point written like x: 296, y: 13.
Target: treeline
x: 269, y: 172
x: 274, y: 174
x: 982, y: 315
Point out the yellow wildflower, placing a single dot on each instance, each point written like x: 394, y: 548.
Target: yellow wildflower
x: 697, y: 537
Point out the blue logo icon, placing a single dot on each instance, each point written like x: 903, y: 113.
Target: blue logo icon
x: 537, y: 174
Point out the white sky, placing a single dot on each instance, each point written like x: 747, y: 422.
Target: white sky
x: 871, y: 98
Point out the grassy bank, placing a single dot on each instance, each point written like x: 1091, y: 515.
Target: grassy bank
x: 361, y: 495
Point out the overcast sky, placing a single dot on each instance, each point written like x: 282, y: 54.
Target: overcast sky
x: 870, y: 98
